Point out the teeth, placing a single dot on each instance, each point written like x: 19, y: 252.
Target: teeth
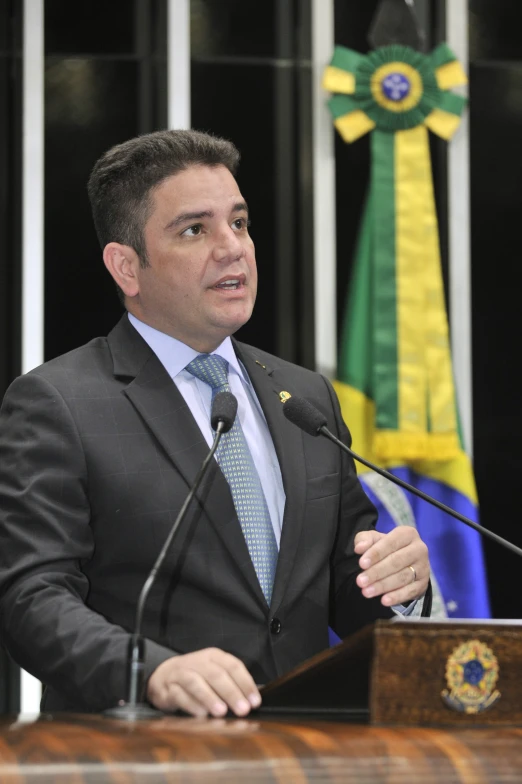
x: 228, y: 284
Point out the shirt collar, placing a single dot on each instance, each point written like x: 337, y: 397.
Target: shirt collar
x: 175, y: 355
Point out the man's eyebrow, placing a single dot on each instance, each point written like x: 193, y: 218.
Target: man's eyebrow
x: 186, y: 217
x: 189, y: 216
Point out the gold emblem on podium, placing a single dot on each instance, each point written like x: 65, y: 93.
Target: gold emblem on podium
x: 471, y: 675
x: 284, y: 396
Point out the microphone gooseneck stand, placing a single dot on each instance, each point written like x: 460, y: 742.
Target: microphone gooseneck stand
x: 224, y: 408
x: 305, y: 415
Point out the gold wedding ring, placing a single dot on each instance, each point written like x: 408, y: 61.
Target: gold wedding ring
x: 414, y: 573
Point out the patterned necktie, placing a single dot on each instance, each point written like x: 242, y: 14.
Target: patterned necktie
x: 235, y: 460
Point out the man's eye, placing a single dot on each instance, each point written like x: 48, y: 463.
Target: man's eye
x: 192, y: 231
x: 241, y: 223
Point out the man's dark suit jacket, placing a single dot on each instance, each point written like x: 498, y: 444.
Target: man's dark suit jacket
x: 97, y: 452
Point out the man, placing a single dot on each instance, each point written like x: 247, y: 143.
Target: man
x: 98, y: 449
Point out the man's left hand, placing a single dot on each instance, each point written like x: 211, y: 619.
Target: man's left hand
x: 395, y: 565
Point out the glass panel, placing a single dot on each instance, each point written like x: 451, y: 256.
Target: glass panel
x: 496, y: 207
x: 224, y: 103
x: 232, y: 27
x: 494, y: 30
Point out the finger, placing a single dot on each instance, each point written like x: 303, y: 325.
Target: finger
x: 171, y: 696
x: 403, y: 595
x: 200, y: 688
x: 400, y: 537
x: 415, y: 556
x: 389, y: 566
x: 214, y: 689
x: 240, y: 676
x: 398, y: 580
x: 365, y: 539
x: 178, y: 698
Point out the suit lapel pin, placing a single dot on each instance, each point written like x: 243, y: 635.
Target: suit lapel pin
x: 260, y: 364
x: 284, y: 396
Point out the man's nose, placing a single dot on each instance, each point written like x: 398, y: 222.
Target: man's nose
x: 228, y: 245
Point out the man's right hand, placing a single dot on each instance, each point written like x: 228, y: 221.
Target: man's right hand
x: 205, y: 682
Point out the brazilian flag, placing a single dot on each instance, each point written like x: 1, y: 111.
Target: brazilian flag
x: 395, y: 379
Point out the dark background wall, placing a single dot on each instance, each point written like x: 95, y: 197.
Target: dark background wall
x: 496, y: 209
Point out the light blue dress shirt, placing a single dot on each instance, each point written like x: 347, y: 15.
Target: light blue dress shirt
x: 175, y: 356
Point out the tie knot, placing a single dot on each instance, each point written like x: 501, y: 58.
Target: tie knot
x: 210, y: 368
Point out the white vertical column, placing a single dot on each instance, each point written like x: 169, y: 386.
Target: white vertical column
x: 459, y: 234
x: 32, y: 228
x: 325, y: 252
x: 33, y: 186
x: 178, y: 63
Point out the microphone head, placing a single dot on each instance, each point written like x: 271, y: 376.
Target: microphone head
x: 304, y: 414
x: 224, y: 409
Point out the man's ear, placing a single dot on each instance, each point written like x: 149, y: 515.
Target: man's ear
x: 123, y: 263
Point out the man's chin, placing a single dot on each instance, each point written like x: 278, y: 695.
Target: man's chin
x: 230, y: 323
x: 232, y: 327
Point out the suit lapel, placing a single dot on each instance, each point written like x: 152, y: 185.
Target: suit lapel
x: 268, y: 382
x: 162, y: 407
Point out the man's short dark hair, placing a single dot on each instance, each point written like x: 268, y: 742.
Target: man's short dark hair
x: 122, y: 180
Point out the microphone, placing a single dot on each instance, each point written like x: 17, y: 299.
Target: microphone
x: 223, y: 413
x: 306, y: 416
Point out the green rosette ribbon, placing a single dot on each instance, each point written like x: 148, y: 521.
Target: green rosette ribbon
x: 395, y: 354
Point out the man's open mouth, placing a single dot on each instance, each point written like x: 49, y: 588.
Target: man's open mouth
x: 231, y: 283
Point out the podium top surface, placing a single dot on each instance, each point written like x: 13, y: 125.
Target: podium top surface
x: 462, y: 622
x: 88, y: 748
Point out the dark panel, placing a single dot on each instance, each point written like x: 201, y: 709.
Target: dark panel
x: 90, y: 105
x: 303, y: 268
x: 232, y: 28
x: 99, y: 27
x: 224, y: 104
x: 151, y: 49
x: 494, y: 30
x: 352, y: 161
x: 10, y: 189
x: 352, y: 22
x: 6, y: 28
x: 10, y: 247
x: 496, y: 207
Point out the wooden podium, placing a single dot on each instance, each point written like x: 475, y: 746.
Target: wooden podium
x: 337, y: 704
x: 411, y: 672
x: 74, y: 749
